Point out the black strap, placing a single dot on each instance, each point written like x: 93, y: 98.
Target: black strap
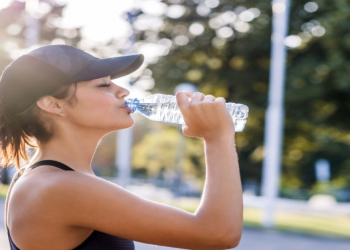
x: 51, y: 163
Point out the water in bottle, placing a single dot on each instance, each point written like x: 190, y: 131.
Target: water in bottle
x: 163, y: 108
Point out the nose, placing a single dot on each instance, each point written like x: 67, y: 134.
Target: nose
x: 122, y: 92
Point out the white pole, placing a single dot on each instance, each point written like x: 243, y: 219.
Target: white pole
x: 32, y: 23
x: 275, y: 113
x: 123, y: 156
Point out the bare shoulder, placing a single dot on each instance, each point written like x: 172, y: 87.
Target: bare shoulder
x: 40, y: 185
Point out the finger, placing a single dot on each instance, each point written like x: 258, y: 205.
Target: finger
x: 182, y: 99
x: 220, y: 99
x: 197, y: 97
x: 188, y: 94
x: 209, y: 98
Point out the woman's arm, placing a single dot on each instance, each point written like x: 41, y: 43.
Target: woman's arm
x: 221, y: 203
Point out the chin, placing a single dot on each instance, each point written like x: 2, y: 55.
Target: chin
x: 126, y: 124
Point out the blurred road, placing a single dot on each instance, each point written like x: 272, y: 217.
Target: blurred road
x: 252, y: 239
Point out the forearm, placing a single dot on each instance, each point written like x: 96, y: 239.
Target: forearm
x: 221, y: 205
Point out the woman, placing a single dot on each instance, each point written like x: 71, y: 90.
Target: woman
x: 61, y: 100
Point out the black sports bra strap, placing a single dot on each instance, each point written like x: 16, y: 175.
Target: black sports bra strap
x: 51, y: 163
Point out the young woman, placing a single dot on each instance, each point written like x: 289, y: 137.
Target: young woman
x: 61, y: 100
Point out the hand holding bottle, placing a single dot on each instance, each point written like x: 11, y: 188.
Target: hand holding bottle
x: 205, y: 116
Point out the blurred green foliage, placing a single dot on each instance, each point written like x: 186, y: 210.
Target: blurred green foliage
x: 160, y: 151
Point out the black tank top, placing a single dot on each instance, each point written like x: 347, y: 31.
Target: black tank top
x: 96, y: 240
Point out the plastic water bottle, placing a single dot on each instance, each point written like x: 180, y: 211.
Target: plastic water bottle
x: 163, y: 108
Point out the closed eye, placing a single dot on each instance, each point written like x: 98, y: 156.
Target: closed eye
x: 105, y: 85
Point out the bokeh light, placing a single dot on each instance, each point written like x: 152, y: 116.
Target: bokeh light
x: 225, y: 32
x: 212, y: 3
x: 292, y: 41
x: 176, y: 11
x: 196, y: 28
x: 311, y: 7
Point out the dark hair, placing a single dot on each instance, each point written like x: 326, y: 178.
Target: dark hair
x: 27, y: 129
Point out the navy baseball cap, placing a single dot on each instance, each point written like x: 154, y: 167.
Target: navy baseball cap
x: 44, y: 70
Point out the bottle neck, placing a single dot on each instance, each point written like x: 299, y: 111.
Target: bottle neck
x: 132, y: 104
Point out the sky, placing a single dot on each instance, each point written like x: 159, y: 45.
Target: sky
x: 102, y: 22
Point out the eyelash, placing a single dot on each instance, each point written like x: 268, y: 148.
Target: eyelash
x: 105, y: 85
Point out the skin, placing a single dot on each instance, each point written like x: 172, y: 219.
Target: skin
x: 60, y: 209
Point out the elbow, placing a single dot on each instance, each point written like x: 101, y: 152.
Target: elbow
x: 231, y: 242
x: 230, y: 238
x: 221, y: 235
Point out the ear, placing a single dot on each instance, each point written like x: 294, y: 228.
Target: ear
x: 50, y: 105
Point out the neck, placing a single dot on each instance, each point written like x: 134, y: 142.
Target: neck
x: 73, y: 148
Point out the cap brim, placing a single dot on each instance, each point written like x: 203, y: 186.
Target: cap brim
x: 115, y: 67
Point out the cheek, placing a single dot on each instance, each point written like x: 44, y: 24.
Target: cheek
x: 102, y: 111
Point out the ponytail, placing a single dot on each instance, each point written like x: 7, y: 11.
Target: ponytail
x: 13, y: 140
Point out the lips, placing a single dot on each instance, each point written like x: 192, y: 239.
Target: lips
x: 128, y: 110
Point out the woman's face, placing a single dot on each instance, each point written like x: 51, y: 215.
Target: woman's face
x: 100, y: 104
